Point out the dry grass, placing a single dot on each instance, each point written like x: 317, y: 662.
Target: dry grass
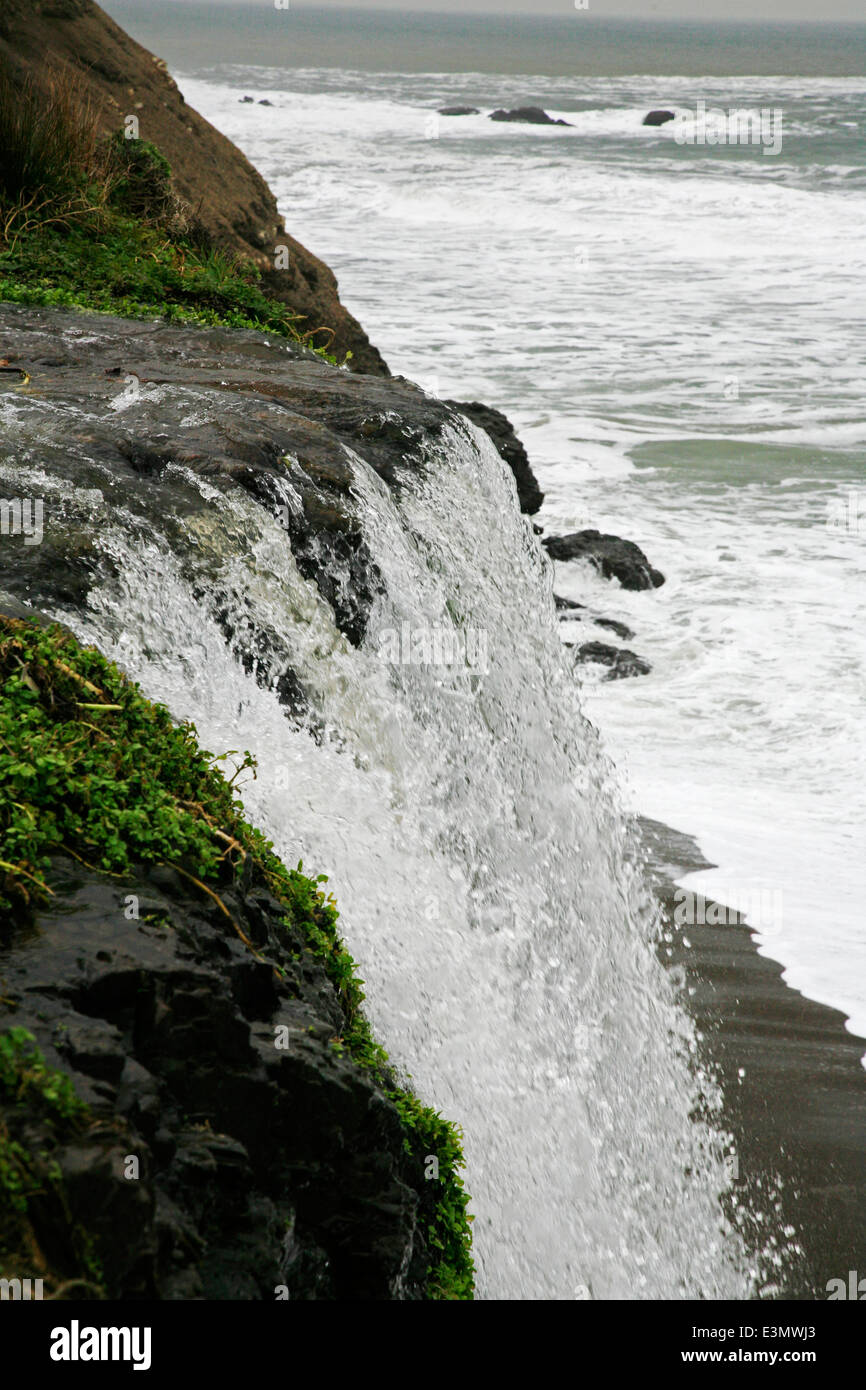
x: 55, y: 166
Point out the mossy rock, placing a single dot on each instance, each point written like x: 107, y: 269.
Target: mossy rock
x: 159, y: 1027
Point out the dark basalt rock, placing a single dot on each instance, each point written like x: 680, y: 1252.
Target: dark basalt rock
x: 659, y: 117
x: 501, y: 431
x: 612, y: 556
x: 259, y: 1166
x: 526, y: 115
x: 620, y: 661
x: 459, y: 111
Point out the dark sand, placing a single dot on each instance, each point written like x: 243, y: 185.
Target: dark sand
x: 798, y: 1113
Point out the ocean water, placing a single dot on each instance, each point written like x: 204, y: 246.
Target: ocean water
x: 676, y: 330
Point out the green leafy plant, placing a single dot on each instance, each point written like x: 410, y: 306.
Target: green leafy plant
x: 25, y: 1075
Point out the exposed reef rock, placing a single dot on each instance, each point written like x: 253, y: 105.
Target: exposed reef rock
x: 121, y: 79
x: 620, y: 662
x: 612, y: 556
x: 501, y: 431
x: 458, y: 111
x: 658, y: 117
x: 621, y: 629
x: 526, y: 115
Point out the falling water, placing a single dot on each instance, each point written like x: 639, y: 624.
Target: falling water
x: 468, y: 823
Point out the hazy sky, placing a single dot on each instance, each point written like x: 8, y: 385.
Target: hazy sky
x: 825, y: 10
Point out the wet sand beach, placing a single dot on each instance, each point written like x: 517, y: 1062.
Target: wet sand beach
x: 793, y: 1084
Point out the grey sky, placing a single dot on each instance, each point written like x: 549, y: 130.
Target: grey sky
x: 800, y: 10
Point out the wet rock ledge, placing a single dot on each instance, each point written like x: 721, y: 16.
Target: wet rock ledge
x: 117, y: 408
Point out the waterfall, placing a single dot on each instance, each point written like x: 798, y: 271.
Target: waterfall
x: 448, y: 784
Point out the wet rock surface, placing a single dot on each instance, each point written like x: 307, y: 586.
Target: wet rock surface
x: 569, y: 611
x: 621, y: 629
x: 612, y: 556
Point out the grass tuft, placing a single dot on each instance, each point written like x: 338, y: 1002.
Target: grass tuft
x: 50, y: 139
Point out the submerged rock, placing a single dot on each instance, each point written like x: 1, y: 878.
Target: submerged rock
x: 501, y: 431
x: 612, y: 556
x: 526, y: 115
x: 459, y: 111
x: 568, y: 611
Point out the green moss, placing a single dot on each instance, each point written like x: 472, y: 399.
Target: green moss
x: 446, y: 1222
x: 131, y: 269
x: 90, y: 767
x: 16, y: 1181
